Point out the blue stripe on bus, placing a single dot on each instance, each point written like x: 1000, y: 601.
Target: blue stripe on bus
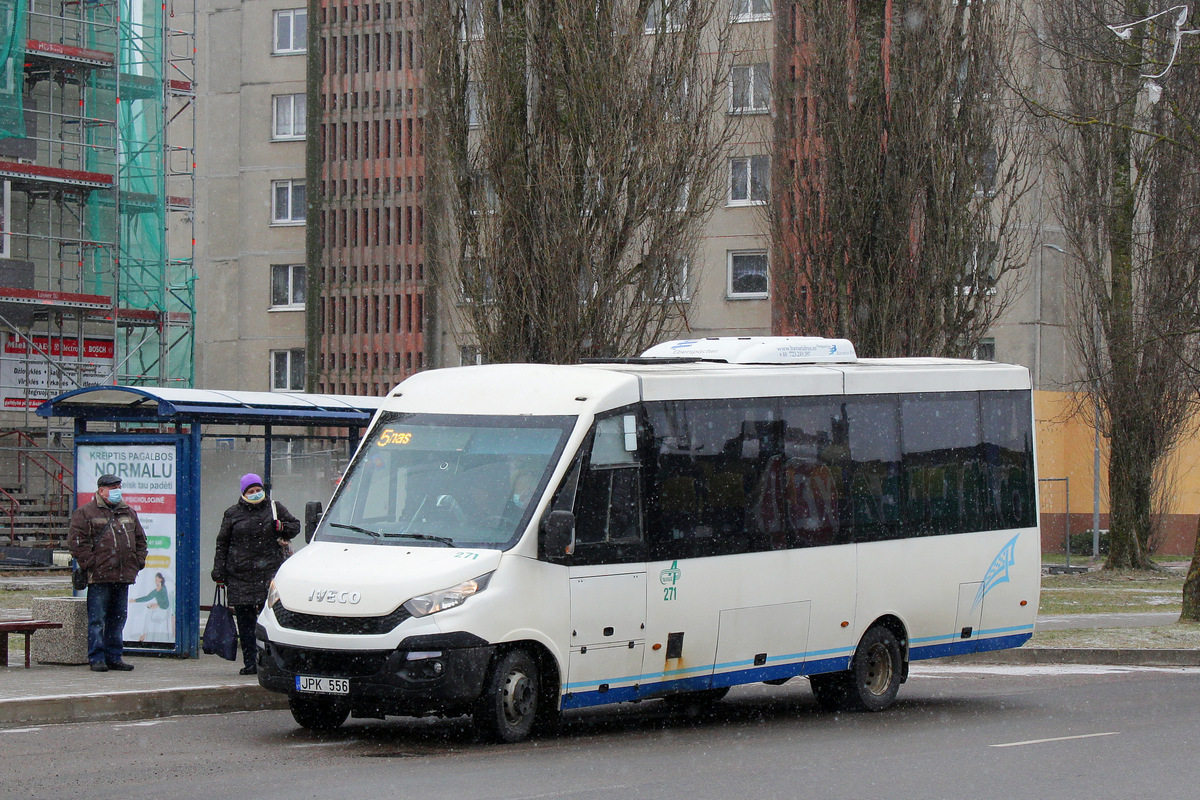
x: 708, y: 679
x: 702, y: 671
x: 957, y: 635
x: 966, y: 646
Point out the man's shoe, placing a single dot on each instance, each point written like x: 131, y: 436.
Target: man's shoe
x: 98, y: 666
x: 120, y: 666
x: 250, y: 670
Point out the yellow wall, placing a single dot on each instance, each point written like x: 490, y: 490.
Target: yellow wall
x: 1065, y: 449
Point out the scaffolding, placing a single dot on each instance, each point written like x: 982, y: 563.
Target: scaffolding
x: 97, y: 179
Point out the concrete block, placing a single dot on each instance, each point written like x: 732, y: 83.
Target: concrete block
x: 65, y: 645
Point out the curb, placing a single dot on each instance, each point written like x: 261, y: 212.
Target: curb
x: 1084, y: 655
x: 137, y: 705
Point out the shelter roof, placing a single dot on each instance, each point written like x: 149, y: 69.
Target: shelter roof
x: 158, y: 404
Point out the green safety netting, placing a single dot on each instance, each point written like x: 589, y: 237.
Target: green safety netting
x: 12, y: 64
x: 141, y: 275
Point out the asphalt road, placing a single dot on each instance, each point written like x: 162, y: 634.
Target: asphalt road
x: 956, y: 732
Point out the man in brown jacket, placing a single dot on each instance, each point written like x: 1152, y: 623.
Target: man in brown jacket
x: 107, y: 540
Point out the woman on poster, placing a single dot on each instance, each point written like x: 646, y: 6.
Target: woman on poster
x: 157, y: 621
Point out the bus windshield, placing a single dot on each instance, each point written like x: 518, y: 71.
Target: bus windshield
x: 437, y: 480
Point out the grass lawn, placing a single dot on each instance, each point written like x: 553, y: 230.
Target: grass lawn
x: 1111, y: 592
x: 19, y: 599
x: 1180, y: 636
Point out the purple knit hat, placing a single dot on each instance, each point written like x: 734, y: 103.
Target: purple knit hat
x: 250, y: 479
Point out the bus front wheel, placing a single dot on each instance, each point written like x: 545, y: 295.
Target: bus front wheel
x: 871, y: 682
x: 318, y: 713
x: 508, y: 706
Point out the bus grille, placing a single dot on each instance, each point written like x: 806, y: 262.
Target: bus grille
x: 342, y: 663
x: 353, y: 626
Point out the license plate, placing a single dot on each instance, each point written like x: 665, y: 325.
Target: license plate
x: 315, y: 685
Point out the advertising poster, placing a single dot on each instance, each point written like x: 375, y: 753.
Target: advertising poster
x: 33, y: 373
x: 148, y: 479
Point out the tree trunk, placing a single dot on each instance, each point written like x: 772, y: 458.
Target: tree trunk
x: 1191, y: 586
x: 1129, y: 494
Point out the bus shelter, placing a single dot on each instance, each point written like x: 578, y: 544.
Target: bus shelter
x: 179, y: 453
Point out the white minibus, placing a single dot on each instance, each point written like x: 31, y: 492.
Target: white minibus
x: 514, y: 540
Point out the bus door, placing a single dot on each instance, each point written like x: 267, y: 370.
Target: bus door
x: 607, y: 569
x: 607, y: 631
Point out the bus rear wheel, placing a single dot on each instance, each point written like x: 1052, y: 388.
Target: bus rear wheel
x: 507, y: 709
x: 872, y: 681
x: 318, y: 713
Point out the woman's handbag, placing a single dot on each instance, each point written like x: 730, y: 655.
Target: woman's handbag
x: 284, y: 545
x: 220, y: 632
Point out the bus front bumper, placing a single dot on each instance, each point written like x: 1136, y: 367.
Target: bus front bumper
x: 441, y: 674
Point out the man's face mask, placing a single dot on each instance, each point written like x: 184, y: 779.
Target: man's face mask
x: 114, y: 495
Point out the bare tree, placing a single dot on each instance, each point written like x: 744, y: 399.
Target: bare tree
x: 896, y: 223
x: 1122, y: 116
x: 576, y: 149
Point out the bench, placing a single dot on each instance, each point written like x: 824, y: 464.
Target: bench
x: 25, y: 626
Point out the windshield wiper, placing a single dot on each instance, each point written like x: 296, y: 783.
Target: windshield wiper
x: 446, y: 540
x: 367, y: 531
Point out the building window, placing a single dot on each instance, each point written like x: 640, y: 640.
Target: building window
x: 748, y: 180
x: 985, y: 350
x: 751, y: 10
x: 287, y: 202
x: 667, y: 15
x: 291, y: 30
x: 470, y: 355
x: 474, y: 104
x: 289, y: 116
x: 671, y: 283
x: 478, y: 283
x: 287, y: 370
x: 750, y: 89
x: 287, y: 286
x: 979, y: 275
x: 747, y: 274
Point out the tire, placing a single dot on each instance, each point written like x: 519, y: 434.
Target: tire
x: 703, y: 697
x: 507, y: 709
x: 872, y: 681
x: 318, y: 713
x: 830, y: 689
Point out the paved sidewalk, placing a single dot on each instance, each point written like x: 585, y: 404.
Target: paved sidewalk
x: 157, y: 687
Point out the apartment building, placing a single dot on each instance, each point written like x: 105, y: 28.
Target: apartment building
x: 368, y: 307
x: 251, y: 198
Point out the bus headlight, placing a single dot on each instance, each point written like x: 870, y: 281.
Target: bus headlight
x: 444, y: 599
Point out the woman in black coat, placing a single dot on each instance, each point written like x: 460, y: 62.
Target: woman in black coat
x: 251, y: 545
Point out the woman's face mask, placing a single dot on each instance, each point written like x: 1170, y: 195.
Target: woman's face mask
x: 255, y: 495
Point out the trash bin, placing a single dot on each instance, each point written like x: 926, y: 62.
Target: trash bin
x: 65, y: 645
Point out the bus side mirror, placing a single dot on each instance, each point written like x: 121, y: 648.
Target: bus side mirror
x: 557, y: 537
x: 312, y: 515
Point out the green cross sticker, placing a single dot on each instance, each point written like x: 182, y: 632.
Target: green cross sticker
x: 667, y: 578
